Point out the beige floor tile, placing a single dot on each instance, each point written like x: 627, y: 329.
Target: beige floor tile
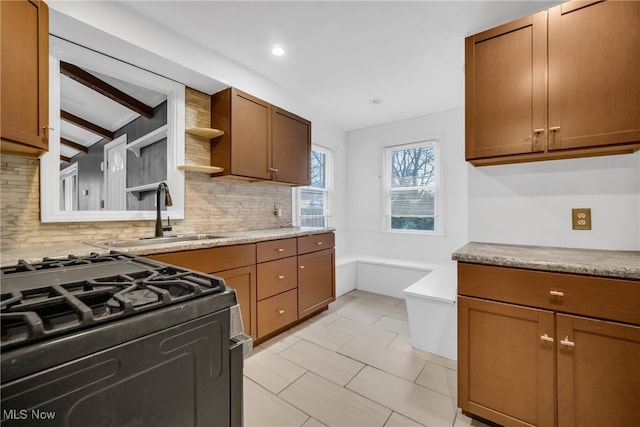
x: 334, y: 405
x: 440, y: 379
x: 373, y: 298
x: 356, y: 312
x: 394, y: 325
x: 397, y: 420
x: 443, y: 361
x: 410, y: 400
x: 402, y: 344
x: 312, y: 422
x: 463, y: 421
x: 362, y: 332
x: 326, y: 363
x: 390, y: 309
x: 400, y: 364
x: 263, y: 408
x: 323, y: 336
x: 341, y: 301
x: 271, y: 371
x: 358, y: 328
x: 324, y: 318
x: 280, y: 342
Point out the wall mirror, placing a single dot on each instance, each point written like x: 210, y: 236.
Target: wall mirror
x: 117, y: 131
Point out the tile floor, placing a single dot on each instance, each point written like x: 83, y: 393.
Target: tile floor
x: 352, y: 365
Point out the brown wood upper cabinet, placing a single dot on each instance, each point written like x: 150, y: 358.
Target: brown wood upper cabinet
x: 560, y: 83
x: 260, y: 141
x: 25, y: 77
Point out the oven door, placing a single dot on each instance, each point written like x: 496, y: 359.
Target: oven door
x: 178, y: 376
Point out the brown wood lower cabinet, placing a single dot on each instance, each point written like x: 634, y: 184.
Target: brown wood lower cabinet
x: 316, y: 281
x: 278, y: 282
x: 277, y: 312
x: 506, y: 373
x: 522, y: 365
x: 598, y: 372
x: 243, y: 280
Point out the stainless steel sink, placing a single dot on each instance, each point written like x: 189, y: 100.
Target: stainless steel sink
x: 146, y: 241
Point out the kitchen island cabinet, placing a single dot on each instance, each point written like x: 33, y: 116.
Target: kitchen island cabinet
x: 260, y: 141
x: 590, y: 54
x: 24, y: 60
x: 547, y: 348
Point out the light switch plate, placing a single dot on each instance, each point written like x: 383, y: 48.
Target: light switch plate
x: 581, y: 218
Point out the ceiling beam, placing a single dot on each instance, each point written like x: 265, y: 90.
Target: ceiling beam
x: 78, y: 121
x: 74, y: 145
x: 104, y: 88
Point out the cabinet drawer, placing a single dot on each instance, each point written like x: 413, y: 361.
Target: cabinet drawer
x: 315, y: 242
x: 275, y: 249
x: 605, y: 298
x: 212, y: 259
x: 277, y: 312
x: 275, y: 277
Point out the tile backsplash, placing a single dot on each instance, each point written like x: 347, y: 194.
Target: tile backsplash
x: 211, y: 205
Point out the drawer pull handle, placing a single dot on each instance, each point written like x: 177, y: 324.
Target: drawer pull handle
x: 302, y: 266
x: 568, y: 343
x: 281, y: 277
x: 281, y: 311
x: 546, y: 337
x: 280, y: 250
x: 556, y: 293
x: 318, y: 243
x: 273, y: 170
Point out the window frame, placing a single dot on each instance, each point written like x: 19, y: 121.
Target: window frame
x: 327, y: 191
x: 387, y: 189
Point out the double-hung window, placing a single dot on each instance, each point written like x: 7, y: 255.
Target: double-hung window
x: 412, y: 187
x: 313, y: 201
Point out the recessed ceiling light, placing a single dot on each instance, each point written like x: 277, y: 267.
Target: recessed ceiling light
x: 375, y: 101
x: 277, y: 50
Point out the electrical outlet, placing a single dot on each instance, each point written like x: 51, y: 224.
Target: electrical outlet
x: 581, y: 218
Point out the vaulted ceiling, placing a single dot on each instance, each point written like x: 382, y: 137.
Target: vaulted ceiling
x: 93, y: 106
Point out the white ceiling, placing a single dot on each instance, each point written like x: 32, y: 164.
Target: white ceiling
x: 342, y: 54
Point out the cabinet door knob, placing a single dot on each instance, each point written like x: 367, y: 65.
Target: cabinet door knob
x: 280, y: 311
x: 281, y: 277
x: 273, y: 170
x: 546, y: 337
x: 566, y: 342
x: 556, y: 293
x: 302, y: 266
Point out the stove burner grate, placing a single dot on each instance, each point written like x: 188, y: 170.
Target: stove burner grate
x: 36, y: 313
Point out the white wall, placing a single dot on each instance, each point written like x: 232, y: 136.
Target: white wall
x: 531, y: 203
x: 365, y: 197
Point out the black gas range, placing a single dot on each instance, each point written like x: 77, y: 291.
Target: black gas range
x: 117, y: 340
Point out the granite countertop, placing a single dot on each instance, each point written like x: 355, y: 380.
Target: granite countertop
x: 35, y: 254
x: 605, y: 263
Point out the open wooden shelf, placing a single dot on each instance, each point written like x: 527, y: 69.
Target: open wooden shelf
x: 208, y: 133
x: 201, y: 168
x: 205, y: 132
